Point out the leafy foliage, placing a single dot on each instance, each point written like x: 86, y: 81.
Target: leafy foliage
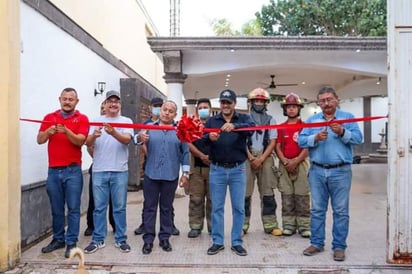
x: 323, y: 17
x: 222, y: 27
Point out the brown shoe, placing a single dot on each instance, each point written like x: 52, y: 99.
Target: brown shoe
x: 312, y: 250
x: 339, y: 255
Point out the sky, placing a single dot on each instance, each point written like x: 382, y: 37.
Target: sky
x: 195, y: 15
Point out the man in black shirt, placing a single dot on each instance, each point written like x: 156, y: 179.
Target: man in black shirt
x: 228, y: 156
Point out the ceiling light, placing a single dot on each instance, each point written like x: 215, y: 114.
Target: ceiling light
x: 228, y: 76
x: 379, y: 81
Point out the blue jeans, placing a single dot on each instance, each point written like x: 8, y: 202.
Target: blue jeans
x: 64, y: 186
x: 109, y: 184
x: 334, y: 183
x: 220, y: 178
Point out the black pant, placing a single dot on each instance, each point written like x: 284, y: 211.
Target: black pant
x: 90, y: 209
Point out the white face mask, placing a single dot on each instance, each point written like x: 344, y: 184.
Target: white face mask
x: 156, y: 111
x: 204, y: 113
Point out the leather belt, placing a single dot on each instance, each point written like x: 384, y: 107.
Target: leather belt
x: 63, y: 167
x: 328, y: 166
x: 227, y: 165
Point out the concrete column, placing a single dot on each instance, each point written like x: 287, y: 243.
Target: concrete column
x: 174, y: 77
x: 191, y: 107
x: 400, y: 132
x: 175, y: 90
x: 10, y: 185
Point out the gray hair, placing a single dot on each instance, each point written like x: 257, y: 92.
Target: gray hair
x: 327, y: 89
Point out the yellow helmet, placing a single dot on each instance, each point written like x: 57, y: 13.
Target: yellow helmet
x: 259, y: 93
x: 291, y: 99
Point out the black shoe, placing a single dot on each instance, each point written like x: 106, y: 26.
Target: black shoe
x: 166, y: 246
x: 194, y: 233
x: 175, y: 231
x: 68, y: 248
x: 147, y: 248
x: 239, y: 250
x: 53, y: 246
x: 139, y: 230
x: 214, y: 249
x: 88, y: 232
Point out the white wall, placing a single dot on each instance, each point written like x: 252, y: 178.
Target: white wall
x: 379, y: 107
x: 50, y: 61
x: 122, y: 28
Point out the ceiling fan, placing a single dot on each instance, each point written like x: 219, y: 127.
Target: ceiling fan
x: 272, y: 84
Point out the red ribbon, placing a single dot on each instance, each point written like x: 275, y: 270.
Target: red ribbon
x: 191, y: 128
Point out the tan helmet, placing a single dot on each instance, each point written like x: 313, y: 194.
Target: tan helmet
x: 291, y: 99
x: 259, y: 93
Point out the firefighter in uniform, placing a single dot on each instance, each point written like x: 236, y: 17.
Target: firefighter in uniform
x: 200, y: 205
x: 293, y: 169
x: 259, y: 168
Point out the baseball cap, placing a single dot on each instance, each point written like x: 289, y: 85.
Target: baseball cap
x: 111, y: 93
x: 156, y: 101
x: 228, y: 95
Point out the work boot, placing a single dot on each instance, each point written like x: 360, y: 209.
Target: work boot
x: 194, y: 233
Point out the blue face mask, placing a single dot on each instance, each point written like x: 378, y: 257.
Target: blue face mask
x: 156, y: 111
x: 204, y: 113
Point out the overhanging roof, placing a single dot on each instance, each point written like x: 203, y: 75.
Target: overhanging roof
x: 351, y: 64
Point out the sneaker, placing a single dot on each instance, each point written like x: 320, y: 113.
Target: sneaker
x: 54, y: 244
x: 175, y: 231
x: 68, y: 249
x: 88, y: 232
x: 123, y: 246
x: 312, y: 250
x: 93, y: 247
x: 139, y: 230
x: 239, y: 250
x: 288, y: 232
x: 276, y: 232
x: 214, y: 249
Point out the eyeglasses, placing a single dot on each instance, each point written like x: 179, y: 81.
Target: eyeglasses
x: 113, y: 102
x: 326, y: 100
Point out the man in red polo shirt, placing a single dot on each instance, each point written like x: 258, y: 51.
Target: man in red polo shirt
x: 65, y: 130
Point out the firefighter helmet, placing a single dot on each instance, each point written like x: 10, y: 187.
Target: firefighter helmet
x: 291, y: 99
x: 259, y: 93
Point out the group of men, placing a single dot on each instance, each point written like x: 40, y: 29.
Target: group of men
x: 314, y: 166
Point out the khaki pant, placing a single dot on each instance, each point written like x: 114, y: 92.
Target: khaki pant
x: 295, y: 193
x: 200, y: 205
x: 266, y: 182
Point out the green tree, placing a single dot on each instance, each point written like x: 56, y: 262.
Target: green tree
x: 323, y: 17
x: 222, y: 27
x: 252, y: 28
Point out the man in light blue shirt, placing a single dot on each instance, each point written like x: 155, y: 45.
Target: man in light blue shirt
x: 165, y: 154
x: 330, y: 174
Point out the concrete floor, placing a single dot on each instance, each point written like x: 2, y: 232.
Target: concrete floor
x: 366, y: 251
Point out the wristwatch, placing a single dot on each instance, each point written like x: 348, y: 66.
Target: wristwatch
x: 186, y: 174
